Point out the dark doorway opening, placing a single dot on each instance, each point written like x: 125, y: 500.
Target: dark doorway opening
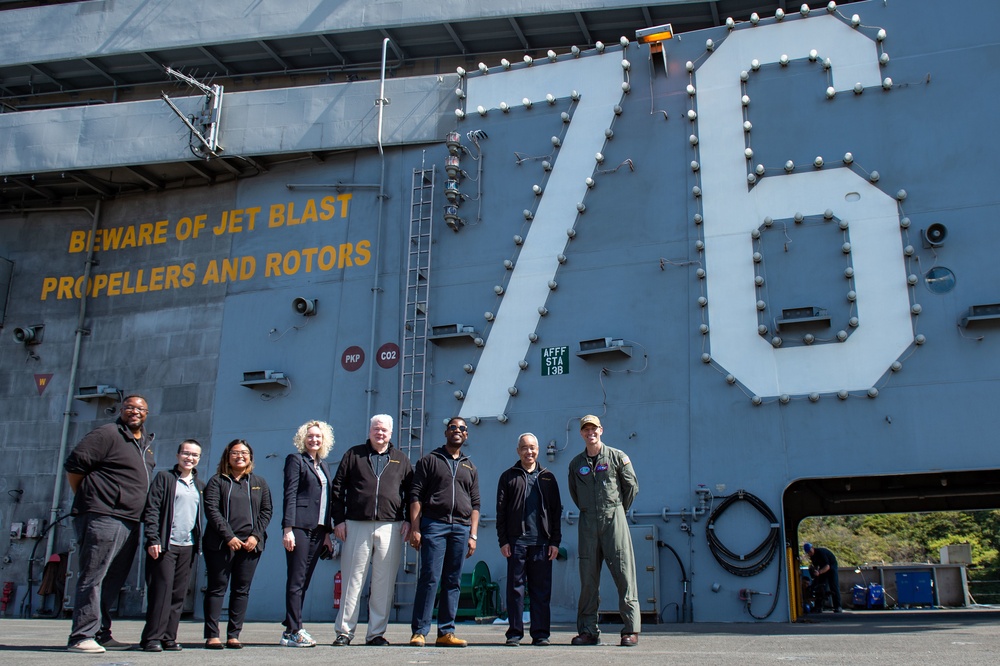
x: 968, y: 490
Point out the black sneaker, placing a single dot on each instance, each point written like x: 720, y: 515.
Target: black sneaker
x: 110, y: 643
x: 541, y: 642
x: 513, y: 641
x: 341, y: 640
x: 378, y: 641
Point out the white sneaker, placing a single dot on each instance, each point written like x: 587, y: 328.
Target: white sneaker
x: 307, y: 635
x: 87, y: 645
x: 298, y: 639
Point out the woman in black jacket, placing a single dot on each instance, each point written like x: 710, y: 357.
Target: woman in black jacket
x: 172, y: 522
x: 305, y: 521
x: 238, y: 508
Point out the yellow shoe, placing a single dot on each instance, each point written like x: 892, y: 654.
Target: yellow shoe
x: 449, y: 640
x: 417, y: 640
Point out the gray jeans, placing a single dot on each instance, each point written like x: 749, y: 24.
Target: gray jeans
x: 107, y: 547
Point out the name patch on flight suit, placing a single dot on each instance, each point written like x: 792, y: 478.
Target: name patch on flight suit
x: 603, y: 467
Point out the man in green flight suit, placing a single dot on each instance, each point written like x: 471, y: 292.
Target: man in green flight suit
x: 602, y: 484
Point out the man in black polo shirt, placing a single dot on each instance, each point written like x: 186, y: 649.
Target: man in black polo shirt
x: 109, y: 471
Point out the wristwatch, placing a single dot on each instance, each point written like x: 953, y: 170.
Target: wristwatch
x: 474, y: 537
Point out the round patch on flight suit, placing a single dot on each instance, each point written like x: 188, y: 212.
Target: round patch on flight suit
x: 584, y: 471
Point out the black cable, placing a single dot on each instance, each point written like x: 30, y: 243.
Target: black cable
x: 754, y: 562
x: 684, y: 580
x: 31, y: 560
x: 774, y: 600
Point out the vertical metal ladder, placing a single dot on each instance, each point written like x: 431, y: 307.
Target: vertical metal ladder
x: 410, y: 428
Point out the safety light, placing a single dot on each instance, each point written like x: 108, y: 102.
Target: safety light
x: 658, y: 33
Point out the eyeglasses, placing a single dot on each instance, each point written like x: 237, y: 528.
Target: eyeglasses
x: 130, y: 408
x: 239, y: 454
x: 458, y: 428
x: 189, y: 454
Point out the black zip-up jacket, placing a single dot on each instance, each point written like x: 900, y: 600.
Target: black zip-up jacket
x: 158, y: 516
x: 357, y: 494
x: 510, y: 505
x: 443, y: 496
x: 116, y: 469
x: 219, y: 492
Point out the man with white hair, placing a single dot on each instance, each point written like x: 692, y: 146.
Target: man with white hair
x: 370, y: 492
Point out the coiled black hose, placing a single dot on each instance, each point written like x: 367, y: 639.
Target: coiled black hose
x: 756, y: 560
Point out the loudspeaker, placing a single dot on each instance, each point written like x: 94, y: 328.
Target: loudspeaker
x: 305, y: 306
x: 28, y: 335
x: 934, y: 235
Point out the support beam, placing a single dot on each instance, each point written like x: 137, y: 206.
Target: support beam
x: 215, y: 60
x: 274, y: 54
x: 100, y: 70
x: 454, y: 37
x: 29, y: 185
x: 520, y: 33
x: 92, y: 183
x: 41, y: 72
x: 588, y: 40
x: 146, y: 177
x: 328, y: 43
x: 201, y: 171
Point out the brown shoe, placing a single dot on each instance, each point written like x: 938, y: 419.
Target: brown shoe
x: 630, y: 640
x: 213, y: 644
x: 417, y: 640
x: 234, y: 644
x: 449, y: 640
x: 585, y: 639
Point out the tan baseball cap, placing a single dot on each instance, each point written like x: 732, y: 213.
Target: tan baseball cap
x: 590, y: 419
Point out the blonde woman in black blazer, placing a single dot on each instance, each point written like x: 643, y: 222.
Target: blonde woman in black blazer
x: 305, y: 522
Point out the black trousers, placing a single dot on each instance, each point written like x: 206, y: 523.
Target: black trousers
x: 301, y: 564
x: 107, y: 547
x: 221, y: 566
x: 529, y: 564
x: 167, y: 578
x: 829, y: 583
